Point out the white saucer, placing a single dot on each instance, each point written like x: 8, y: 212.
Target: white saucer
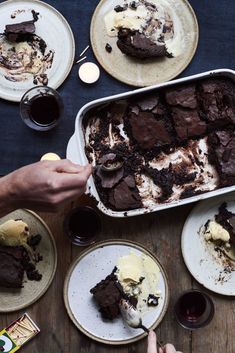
x: 202, y: 261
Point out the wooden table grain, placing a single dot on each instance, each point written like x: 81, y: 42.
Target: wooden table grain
x: 161, y: 233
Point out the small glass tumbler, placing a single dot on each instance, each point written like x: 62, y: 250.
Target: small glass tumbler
x: 41, y: 107
x: 194, y: 309
x: 82, y: 225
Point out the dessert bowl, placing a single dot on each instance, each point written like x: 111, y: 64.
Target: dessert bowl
x: 76, y: 146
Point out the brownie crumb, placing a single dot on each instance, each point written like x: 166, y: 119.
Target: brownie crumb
x: 108, y: 48
x: 120, y: 8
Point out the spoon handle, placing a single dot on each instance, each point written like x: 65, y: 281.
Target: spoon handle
x: 147, y: 330
x: 160, y: 345
x: 144, y: 328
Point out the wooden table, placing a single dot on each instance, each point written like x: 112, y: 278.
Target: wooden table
x: 161, y: 233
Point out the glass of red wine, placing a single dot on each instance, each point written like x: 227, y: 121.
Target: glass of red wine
x: 194, y: 309
x: 41, y: 107
x: 82, y: 225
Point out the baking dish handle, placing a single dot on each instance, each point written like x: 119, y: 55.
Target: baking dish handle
x: 72, y: 153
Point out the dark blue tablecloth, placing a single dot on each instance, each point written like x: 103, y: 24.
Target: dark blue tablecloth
x: 20, y: 145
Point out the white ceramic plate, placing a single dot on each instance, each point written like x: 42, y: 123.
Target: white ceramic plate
x: 53, y: 29
x: 143, y: 72
x: 12, y: 299
x: 200, y: 257
x: 91, y: 267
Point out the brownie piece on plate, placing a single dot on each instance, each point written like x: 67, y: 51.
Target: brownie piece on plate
x: 108, y: 295
x: 11, y: 266
x: 134, y: 43
x: 227, y: 220
x: 18, y: 32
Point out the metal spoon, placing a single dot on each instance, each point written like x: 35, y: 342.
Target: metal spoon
x: 110, y: 163
x: 109, y: 169
x: 112, y: 166
x: 132, y: 316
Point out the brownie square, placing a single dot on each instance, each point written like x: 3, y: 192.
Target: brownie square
x: 187, y: 123
x: 217, y: 98
x: 182, y: 96
x: 125, y: 195
x: 149, y: 131
x: 222, y: 154
x: 11, y: 266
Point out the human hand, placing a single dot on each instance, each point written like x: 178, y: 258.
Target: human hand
x: 152, y: 345
x: 43, y: 186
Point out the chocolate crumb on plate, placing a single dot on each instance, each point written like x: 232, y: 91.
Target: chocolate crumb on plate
x: 108, y: 48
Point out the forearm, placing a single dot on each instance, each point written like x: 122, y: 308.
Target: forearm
x: 42, y: 186
x: 6, y: 197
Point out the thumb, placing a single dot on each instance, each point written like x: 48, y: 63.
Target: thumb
x: 152, y: 342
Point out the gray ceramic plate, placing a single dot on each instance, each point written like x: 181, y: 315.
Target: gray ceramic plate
x: 15, y: 299
x: 89, y: 268
x: 146, y: 72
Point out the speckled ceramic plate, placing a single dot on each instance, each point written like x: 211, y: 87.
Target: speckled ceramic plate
x: 53, y: 28
x: 91, y: 267
x: 203, y: 262
x: 15, y: 299
x: 143, y: 72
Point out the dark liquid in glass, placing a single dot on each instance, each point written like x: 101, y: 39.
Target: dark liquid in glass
x: 44, y: 110
x: 82, y: 225
x: 192, y: 306
x: 194, y: 309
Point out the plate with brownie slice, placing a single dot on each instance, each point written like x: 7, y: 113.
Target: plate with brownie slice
x: 36, y: 47
x: 208, y: 244
x: 103, y: 275
x: 28, y: 259
x: 142, y: 42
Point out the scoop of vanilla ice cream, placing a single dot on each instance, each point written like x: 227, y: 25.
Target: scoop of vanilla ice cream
x: 139, y: 276
x: 13, y: 232
x: 215, y: 232
x: 132, y: 19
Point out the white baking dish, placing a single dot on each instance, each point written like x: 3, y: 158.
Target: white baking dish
x: 76, y: 146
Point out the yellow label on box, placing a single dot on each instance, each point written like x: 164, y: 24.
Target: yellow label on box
x: 7, y: 344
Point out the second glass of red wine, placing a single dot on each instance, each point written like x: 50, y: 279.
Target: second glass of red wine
x: 82, y: 225
x: 41, y: 107
x: 194, y: 309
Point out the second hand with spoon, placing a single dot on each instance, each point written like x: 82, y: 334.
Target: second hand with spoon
x: 132, y: 317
